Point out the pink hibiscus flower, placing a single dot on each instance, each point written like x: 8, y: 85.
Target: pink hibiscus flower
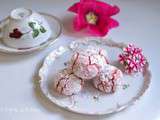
x: 95, y: 16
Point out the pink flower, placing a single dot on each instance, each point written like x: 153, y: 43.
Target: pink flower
x: 132, y: 59
x: 95, y: 16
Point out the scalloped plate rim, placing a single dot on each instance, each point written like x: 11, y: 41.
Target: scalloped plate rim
x: 112, y: 111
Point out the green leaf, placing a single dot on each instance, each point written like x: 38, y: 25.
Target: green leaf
x: 35, y: 33
x: 125, y: 86
x: 125, y: 63
x: 32, y: 24
x: 42, y: 29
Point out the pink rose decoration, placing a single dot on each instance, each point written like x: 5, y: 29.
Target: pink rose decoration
x: 95, y: 16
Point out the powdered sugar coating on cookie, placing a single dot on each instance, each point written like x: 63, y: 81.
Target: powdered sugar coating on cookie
x: 108, y: 79
x: 67, y: 83
x: 87, y: 63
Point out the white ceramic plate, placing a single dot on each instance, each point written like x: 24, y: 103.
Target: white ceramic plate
x: 56, y: 28
x: 90, y: 100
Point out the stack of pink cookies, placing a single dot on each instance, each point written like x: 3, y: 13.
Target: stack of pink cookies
x: 88, y: 64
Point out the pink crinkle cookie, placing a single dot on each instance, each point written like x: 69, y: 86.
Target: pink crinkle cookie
x: 107, y: 79
x: 87, y: 63
x: 67, y: 83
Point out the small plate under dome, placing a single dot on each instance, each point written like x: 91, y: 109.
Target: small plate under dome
x: 55, y: 26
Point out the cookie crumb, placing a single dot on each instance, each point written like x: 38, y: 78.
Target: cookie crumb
x: 96, y: 98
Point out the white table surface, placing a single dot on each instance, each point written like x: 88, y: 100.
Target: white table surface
x: 19, y: 100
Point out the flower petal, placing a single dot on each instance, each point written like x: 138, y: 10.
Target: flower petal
x: 79, y: 23
x: 101, y: 29
x: 107, y: 9
x: 103, y: 26
x: 74, y: 8
x: 82, y: 1
x: 114, y: 10
x: 97, y: 31
x: 112, y: 23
